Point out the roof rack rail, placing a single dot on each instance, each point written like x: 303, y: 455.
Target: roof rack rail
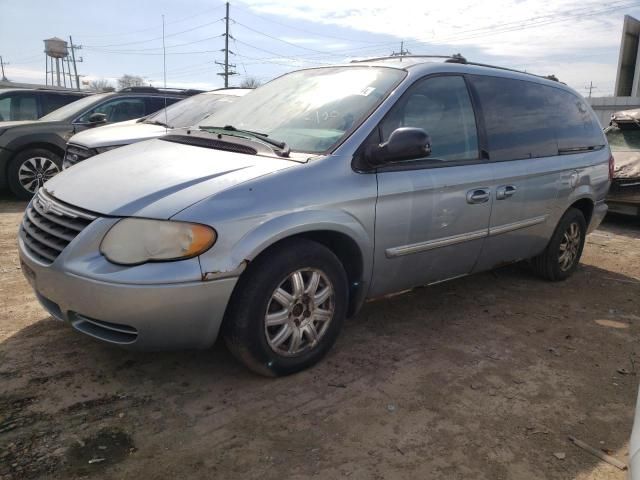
x: 457, y: 58
x: 400, y: 57
x: 546, y: 77
x: 148, y: 89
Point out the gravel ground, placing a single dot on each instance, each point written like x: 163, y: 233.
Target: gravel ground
x: 483, y: 377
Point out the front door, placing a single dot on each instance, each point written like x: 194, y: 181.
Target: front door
x: 432, y: 214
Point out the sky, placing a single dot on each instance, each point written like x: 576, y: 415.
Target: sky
x: 578, y: 41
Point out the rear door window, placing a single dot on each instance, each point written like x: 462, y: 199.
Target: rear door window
x: 441, y: 106
x: 516, y: 117
x: 53, y: 101
x: 153, y: 104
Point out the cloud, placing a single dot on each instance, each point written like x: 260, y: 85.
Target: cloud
x: 534, y: 34
x: 494, y: 26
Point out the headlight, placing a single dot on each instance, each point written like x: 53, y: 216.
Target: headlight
x: 133, y: 241
x: 106, y: 149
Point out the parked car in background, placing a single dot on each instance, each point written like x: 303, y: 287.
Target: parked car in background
x: 33, y: 103
x: 623, y: 135
x: 278, y: 217
x: 185, y: 113
x: 31, y: 151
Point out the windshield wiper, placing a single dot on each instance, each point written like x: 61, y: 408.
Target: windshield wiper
x: 157, y: 122
x: 282, y: 146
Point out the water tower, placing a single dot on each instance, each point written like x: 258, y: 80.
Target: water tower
x: 57, y: 49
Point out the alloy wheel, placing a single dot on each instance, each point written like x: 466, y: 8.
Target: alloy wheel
x: 35, y: 171
x: 569, y: 246
x: 299, y: 312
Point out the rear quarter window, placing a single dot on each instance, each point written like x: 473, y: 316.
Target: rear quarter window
x: 576, y: 125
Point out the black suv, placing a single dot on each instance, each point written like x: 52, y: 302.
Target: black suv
x: 31, y: 152
x: 33, y: 103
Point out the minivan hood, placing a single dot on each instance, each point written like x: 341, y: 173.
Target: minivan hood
x: 122, y: 133
x: 156, y: 179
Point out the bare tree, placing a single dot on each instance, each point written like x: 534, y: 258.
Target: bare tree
x: 127, y: 80
x: 101, y: 85
x: 250, y: 82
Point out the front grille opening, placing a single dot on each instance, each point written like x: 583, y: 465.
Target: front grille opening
x: 106, y: 331
x: 48, y: 226
x: 210, y: 143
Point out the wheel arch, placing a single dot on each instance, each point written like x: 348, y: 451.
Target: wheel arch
x: 30, y: 146
x: 586, y: 206
x: 347, y: 240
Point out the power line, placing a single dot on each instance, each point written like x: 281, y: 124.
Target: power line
x: 173, y: 22
x: 156, y: 38
x: 308, y: 32
x: 278, y: 39
x: 530, y: 23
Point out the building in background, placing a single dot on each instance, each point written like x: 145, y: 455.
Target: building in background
x: 627, y: 89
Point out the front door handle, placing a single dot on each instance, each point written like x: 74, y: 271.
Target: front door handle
x: 478, y: 195
x: 505, y: 191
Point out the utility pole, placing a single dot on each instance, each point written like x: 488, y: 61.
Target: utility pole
x: 226, y: 51
x: 590, y: 88
x: 402, y: 51
x: 73, y: 59
x: 2, y: 64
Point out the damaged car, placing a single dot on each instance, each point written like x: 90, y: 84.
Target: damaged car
x: 276, y: 219
x: 623, y: 135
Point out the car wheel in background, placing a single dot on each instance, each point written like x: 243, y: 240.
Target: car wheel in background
x: 287, y: 309
x: 562, y: 255
x: 30, y: 169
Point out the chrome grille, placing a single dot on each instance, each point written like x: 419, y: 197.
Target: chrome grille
x: 48, y: 226
x: 75, y: 154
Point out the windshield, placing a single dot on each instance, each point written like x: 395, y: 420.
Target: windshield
x: 73, y: 108
x: 190, y: 111
x: 310, y: 110
x: 624, y: 140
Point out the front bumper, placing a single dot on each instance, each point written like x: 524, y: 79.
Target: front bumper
x: 131, y: 307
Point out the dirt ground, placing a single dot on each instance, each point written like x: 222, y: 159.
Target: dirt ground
x: 479, y: 378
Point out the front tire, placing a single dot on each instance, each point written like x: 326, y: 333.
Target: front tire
x: 562, y: 255
x: 30, y: 169
x: 287, y: 309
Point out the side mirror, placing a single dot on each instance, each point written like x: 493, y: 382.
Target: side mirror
x: 96, y: 118
x: 405, y: 143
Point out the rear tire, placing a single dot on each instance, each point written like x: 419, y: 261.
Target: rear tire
x: 30, y: 169
x: 562, y: 255
x: 287, y: 309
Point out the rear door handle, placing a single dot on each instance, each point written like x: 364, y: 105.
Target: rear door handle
x: 505, y: 191
x: 478, y: 195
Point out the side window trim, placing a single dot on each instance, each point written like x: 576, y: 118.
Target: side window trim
x: 483, y: 139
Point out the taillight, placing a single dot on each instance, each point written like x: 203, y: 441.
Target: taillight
x: 612, y: 165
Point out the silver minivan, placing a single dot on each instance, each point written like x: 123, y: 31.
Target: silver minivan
x: 276, y: 219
